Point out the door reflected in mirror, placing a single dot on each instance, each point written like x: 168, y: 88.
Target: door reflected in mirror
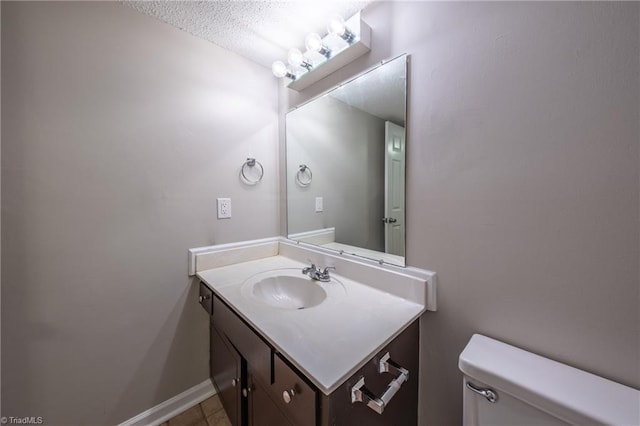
x: 346, y: 166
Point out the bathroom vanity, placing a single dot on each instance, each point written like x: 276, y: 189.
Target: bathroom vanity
x: 289, y: 350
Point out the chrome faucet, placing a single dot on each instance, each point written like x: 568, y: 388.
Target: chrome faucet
x: 318, y: 274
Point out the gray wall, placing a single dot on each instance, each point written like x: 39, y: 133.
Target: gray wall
x: 523, y: 184
x: 119, y: 133
x: 344, y: 149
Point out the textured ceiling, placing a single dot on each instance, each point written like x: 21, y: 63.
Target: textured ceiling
x: 262, y: 31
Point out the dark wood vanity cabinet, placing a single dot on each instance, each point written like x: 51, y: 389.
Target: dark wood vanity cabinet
x: 259, y: 387
x: 241, y: 370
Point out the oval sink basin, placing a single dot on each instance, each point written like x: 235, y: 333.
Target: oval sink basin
x: 289, y: 292
x: 289, y: 289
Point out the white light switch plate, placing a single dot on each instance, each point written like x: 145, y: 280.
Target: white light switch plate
x: 319, y: 204
x: 224, y: 208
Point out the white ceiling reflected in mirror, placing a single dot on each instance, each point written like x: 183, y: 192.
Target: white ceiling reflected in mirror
x: 346, y: 166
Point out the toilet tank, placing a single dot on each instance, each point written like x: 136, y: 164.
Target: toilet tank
x: 528, y: 389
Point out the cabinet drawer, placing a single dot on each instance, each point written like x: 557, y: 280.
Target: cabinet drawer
x: 253, y: 348
x: 301, y: 405
x: 206, y: 297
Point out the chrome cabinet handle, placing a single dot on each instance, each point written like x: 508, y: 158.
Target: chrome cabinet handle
x: 288, y: 395
x: 234, y: 382
x: 360, y: 393
x: 203, y: 298
x: 246, y: 391
x: 490, y: 394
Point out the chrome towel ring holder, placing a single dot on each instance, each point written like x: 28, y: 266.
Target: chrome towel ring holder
x: 247, y: 167
x: 304, y: 176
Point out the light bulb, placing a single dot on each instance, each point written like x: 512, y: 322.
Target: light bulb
x: 295, y: 57
x: 314, y: 43
x: 336, y: 26
x: 279, y: 69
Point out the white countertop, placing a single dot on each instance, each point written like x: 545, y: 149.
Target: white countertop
x: 328, y: 342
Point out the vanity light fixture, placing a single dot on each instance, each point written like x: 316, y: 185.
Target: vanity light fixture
x: 345, y: 41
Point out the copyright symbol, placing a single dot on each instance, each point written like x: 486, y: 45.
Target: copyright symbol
x: 3, y: 420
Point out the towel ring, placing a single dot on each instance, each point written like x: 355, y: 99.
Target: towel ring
x: 251, y: 163
x: 304, y: 176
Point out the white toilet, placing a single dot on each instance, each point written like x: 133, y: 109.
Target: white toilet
x: 507, y: 386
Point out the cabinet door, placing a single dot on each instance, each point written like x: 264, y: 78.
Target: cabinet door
x: 262, y: 410
x: 226, y: 371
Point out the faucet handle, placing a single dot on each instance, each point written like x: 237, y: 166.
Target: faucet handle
x: 311, y: 268
x: 327, y: 268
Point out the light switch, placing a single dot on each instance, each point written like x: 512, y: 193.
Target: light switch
x: 319, y: 204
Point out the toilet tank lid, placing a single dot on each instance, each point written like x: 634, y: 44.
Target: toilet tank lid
x: 563, y: 391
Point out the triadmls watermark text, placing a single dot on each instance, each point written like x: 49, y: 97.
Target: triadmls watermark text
x: 26, y: 420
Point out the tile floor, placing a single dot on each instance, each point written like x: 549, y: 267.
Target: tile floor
x: 208, y: 413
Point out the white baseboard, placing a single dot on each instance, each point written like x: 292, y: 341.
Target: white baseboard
x: 172, y: 407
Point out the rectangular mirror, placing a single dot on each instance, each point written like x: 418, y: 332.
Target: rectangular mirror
x: 346, y: 166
